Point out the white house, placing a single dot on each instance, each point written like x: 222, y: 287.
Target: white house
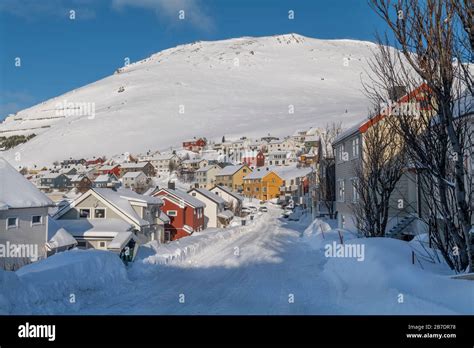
x: 215, y: 214
x: 234, y: 201
x: 136, y: 181
x: 100, y: 217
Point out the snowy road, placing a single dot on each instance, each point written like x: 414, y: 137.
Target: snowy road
x: 270, y: 269
x: 262, y: 271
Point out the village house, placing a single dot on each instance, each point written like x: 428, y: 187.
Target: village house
x: 279, y: 145
x: 278, y: 158
x: 109, y: 169
x: 194, y: 164
x: 215, y: 214
x: 234, y: 201
x: 113, y: 219
x: 54, y: 181
x: 206, y: 176
x: 263, y: 184
x: 136, y: 181
x: 296, y: 183
x: 145, y: 167
x: 81, y: 182
x: 254, y: 158
x: 164, y: 163
x: 23, y: 218
x: 185, y: 213
x: 95, y: 161
x: 72, y: 161
x: 194, y: 145
x: 349, y: 150
x: 232, y: 176
x: 106, y: 180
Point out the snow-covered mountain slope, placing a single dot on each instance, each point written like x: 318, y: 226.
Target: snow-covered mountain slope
x: 246, y: 86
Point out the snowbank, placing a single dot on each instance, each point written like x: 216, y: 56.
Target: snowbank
x: 320, y: 233
x: 382, y: 270
x: 57, y: 283
x: 180, y: 250
x: 10, y: 288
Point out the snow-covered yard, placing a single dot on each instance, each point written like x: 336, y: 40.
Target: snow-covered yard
x: 272, y: 266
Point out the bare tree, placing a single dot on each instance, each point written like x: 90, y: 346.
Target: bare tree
x: 431, y: 59
x: 377, y: 173
x: 326, y: 175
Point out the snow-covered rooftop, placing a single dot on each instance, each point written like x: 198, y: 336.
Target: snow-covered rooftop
x: 18, y: 192
x: 230, y: 170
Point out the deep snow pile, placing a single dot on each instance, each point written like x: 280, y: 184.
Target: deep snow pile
x: 59, y: 282
x: 385, y: 274
x: 180, y: 250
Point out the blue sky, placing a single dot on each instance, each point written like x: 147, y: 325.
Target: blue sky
x: 59, y: 54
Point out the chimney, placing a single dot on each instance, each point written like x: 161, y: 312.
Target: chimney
x: 396, y: 92
x: 171, y: 185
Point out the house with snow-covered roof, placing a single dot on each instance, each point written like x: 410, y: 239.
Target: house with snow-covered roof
x: 206, y: 176
x: 100, y: 215
x: 263, y: 184
x: 23, y: 219
x: 215, y: 213
x: 232, y: 176
x: 185, y: 213
x: 234, y: 201
x: 137, y: 181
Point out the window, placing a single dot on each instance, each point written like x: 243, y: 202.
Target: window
x: 36, y: 220
x: 84, y: 213
x: 81, y: 244
x: 355, y: 192
x: 256, y: 189
x: 102, y: 244
x: 12, y: 222
x: 194, y: 194
x: 172, y: 213
x: 355, y: 148
x: 341, y: 191
x: 99, y: 213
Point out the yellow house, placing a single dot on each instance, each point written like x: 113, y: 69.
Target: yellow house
x: 263, y: 184
x: 232, y: 177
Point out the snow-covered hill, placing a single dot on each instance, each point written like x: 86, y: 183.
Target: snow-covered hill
x: 245, y: 86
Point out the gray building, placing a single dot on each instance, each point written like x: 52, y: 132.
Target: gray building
x: 23, y: 219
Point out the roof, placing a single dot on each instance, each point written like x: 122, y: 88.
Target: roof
x: 259, y: 173
x: 206, y: 168
x: 78, y: 177
x: 181, y: 195
x: 51, y: 175
x: 226, y: 214
x: 134, y: 165
x: 120, y: 240
x: 108, y: 167
x: 230, y: 170
x: 312, y: 138
x: 103, y: 178
x: 162, y: 157
x: 94, y: 227
x: 229, y: 192
x: 132, y: 174
x: 57, y: 236
x: 18, y: 192
x: 348, y: 132
x: 288, y: 173
x: 120, y: 199
x: 210, y: 195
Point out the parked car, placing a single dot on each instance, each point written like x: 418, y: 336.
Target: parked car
x: 263, y: 209
x: 252, y: 208
x: 246, y: 211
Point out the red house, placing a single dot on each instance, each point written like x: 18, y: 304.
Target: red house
x: 94, y: 161
x: 110, y: 169
x: 194, y: 145
x: 186, y: 213
x: 254, y: 159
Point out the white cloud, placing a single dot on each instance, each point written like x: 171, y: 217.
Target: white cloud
x: 169, y: 9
